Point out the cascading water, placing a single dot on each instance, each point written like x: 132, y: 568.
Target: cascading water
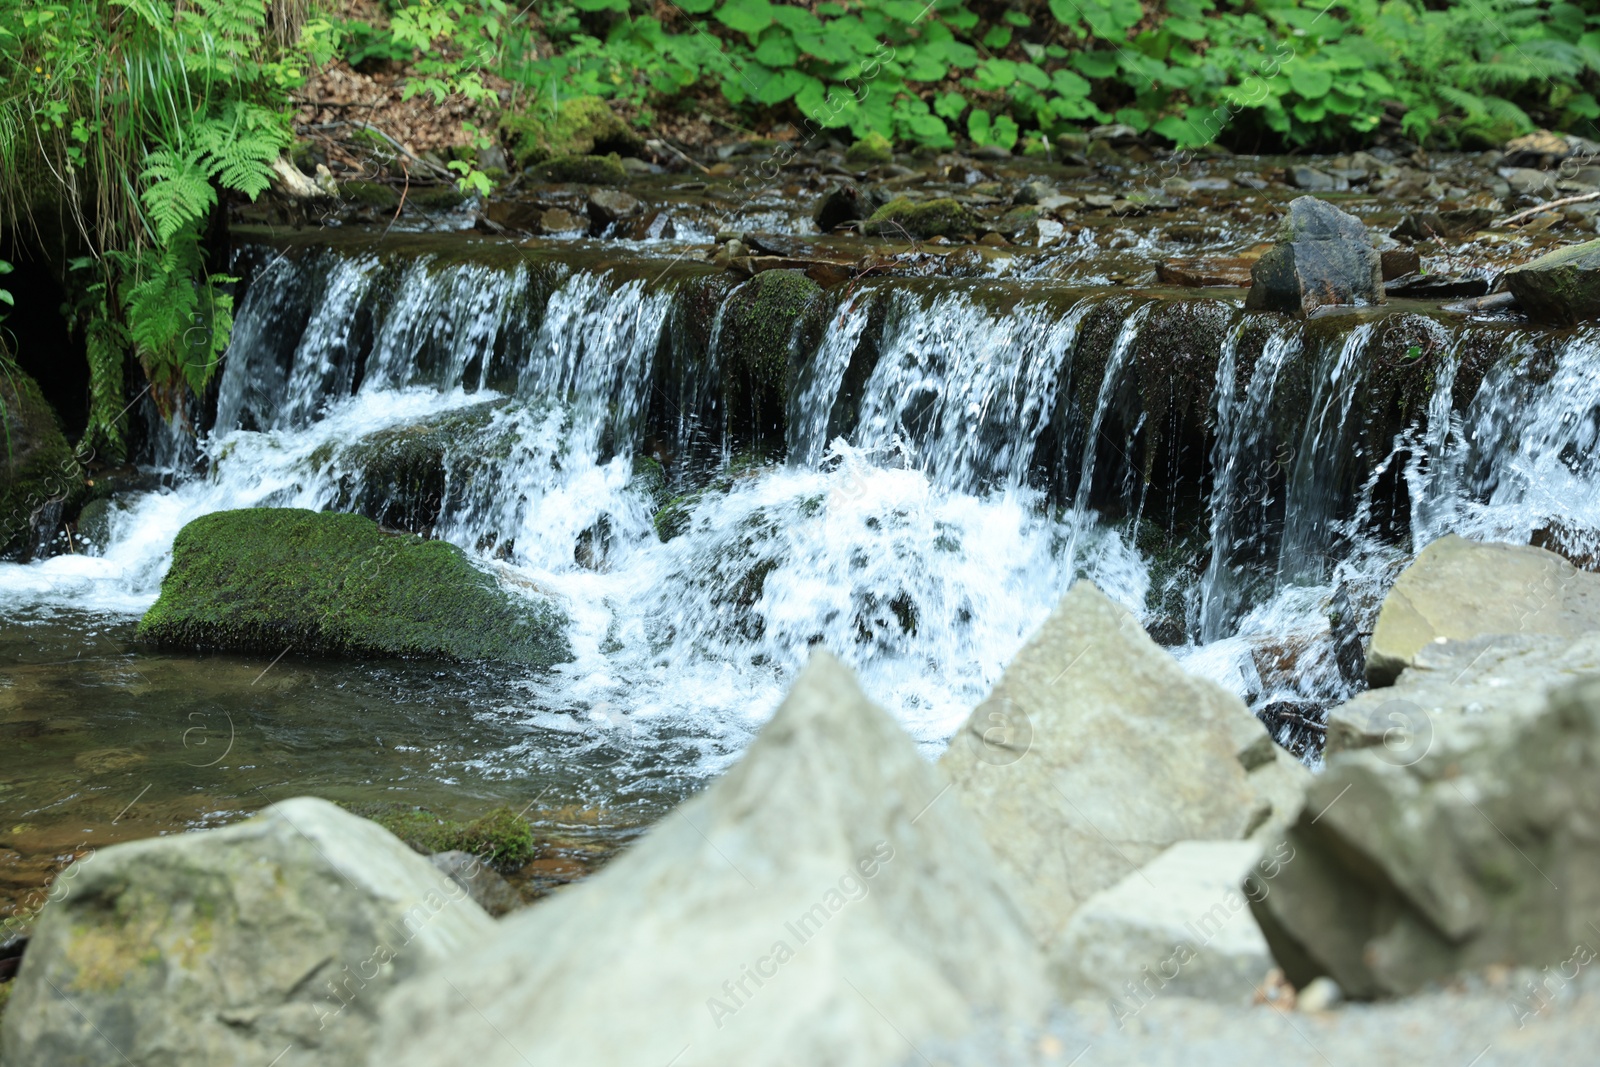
x: 913, y: 529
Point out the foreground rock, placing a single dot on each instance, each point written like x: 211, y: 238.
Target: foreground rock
x: 1179, y: 925
x: 38, y: 473
x: 821, y: 903
x: 274, y: 936
x: 1458, y: 589
x: 1096, y: 752
x: 1507, y: 675
x: 1561, y: 288
x: 1321, y: 256
x: 266, y: 579
x: 1482, y: 851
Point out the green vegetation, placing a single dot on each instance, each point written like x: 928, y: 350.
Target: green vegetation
x: 501, y: 837
x: 36, y: 466
x: 264, y: 579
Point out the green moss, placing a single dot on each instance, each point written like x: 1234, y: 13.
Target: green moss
x: 369, y: 194
x: 580, y: 126
x: 40, y: 478
x: 583, y: 170
x: 265, y: 579
x: 944, y: 217
x: 502, y: 836
x: 436, y: 197
x: 872, y: 150
x: 760, y: 323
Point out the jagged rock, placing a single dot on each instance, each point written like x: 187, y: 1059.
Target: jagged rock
x: 1181, y: 924
x: 1561, y: 288
x: 1483, y: 851
x: 276, y: 935
x: 1096, y: 751
x: 823, y: 902
x: 608, y: 206
x: 330, y: 584
x: 482, y: 882
x: 1321, y: 256
x: 1313, y: 180
x: 1509, y: 675
x: 1458, y: 589
x: 40, y: 477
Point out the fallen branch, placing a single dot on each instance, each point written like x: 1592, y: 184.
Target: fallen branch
x: 1512, y: 220
x: 396, y: 145
x: 673, y: 149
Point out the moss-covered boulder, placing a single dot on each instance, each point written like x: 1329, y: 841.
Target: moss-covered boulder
x: 871, y: 151
x: 373, y: 195
x: 763, y: 323
x: 901, y: 217
x: 39, y: 475
x: 580, y: 126
x: 582, y: 170
x: 266, y: 579
x: 1559, y: 289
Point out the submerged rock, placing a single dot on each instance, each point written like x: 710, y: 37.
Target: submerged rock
x: 821, y: 903
x: 1559, y: 289
x: 1097, y: 751
x: 276, y: 935
x: 1321, y: 256
x: 266, y: 579
x: 904, y: 218
x: 1458, y: 589
x: 39, y: 475
x: 764, y: 323
x: 1481, y: 851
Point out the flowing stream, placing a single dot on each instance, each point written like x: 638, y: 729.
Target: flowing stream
x: 958, y: 452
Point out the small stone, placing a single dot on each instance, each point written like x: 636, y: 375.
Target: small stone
x: 991, y: 152
x: 481, y: 881
x: 1399, y: 262
x: 1032, y: 193
x: 1320, y: 994
x: 608, y: 206
x: 1559, y: 289
x: 1042, y: 232
x: 1316, y: 181
x: 561, y: 222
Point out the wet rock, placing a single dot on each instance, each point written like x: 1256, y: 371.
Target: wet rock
x: 1203, y: 273
x: 559, y: 222
x: 1432, y: 225
x: 1179, y: 925
x: 582, y: 170
x: 1033, y: 193
x: 991, y: 153
x: 375, y: 196
x: 1542, y: 149
x: 843, y: 203
x: 872, y: 150
x: 1321, y: 256
x: 1480, y: 851
x: 235, y: 945
x: 610, y: 206
x: 1313, y: 180
x: 822, y: 902
x: 1561, y: 288
x: 903, y: 218
x: 1041, y: 232
x: 1459, y: 589
x: 1096, y: 751
x: 1399, y: 262
x: 1525, y: 181
x: 579, y: 126
x: 764, y: 324
x: 1016, y: 221
x: 482, y: 882
x: 1322, y: 994
x: 40, y: 477
x: 261, y: 579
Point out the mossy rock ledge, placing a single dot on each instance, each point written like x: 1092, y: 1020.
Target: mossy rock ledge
x: 903, y: 217
x: 40, y: 478
x: 331, y: 584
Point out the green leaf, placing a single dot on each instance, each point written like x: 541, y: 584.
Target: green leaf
x: 1004, y: 132
x: 1096, y: 65
x: 1068, y: 84
x: 776, y: 48
x: 978, y: 125
x: 179, y: 193
x: 997, y: 38
x: 1308, y: 81
x: 950, y: 105
x: 930, y: 130
x: 743, y: 16
x: 1017, y: 18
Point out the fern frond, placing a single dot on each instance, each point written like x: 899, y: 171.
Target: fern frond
x: 179, y: 192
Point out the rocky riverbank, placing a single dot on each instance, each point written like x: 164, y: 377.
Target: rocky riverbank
x: 1113, y: 859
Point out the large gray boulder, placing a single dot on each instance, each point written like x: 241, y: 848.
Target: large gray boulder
x: 823, y: 902
x: 1179, y: 925
x: 1096, y: 751
x: 1507, y: 675
x: 1321, y: 255
x: 1458, y: 589
x: 274, y: 937
x: 1561, y: 288
x: 1485, y: 850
